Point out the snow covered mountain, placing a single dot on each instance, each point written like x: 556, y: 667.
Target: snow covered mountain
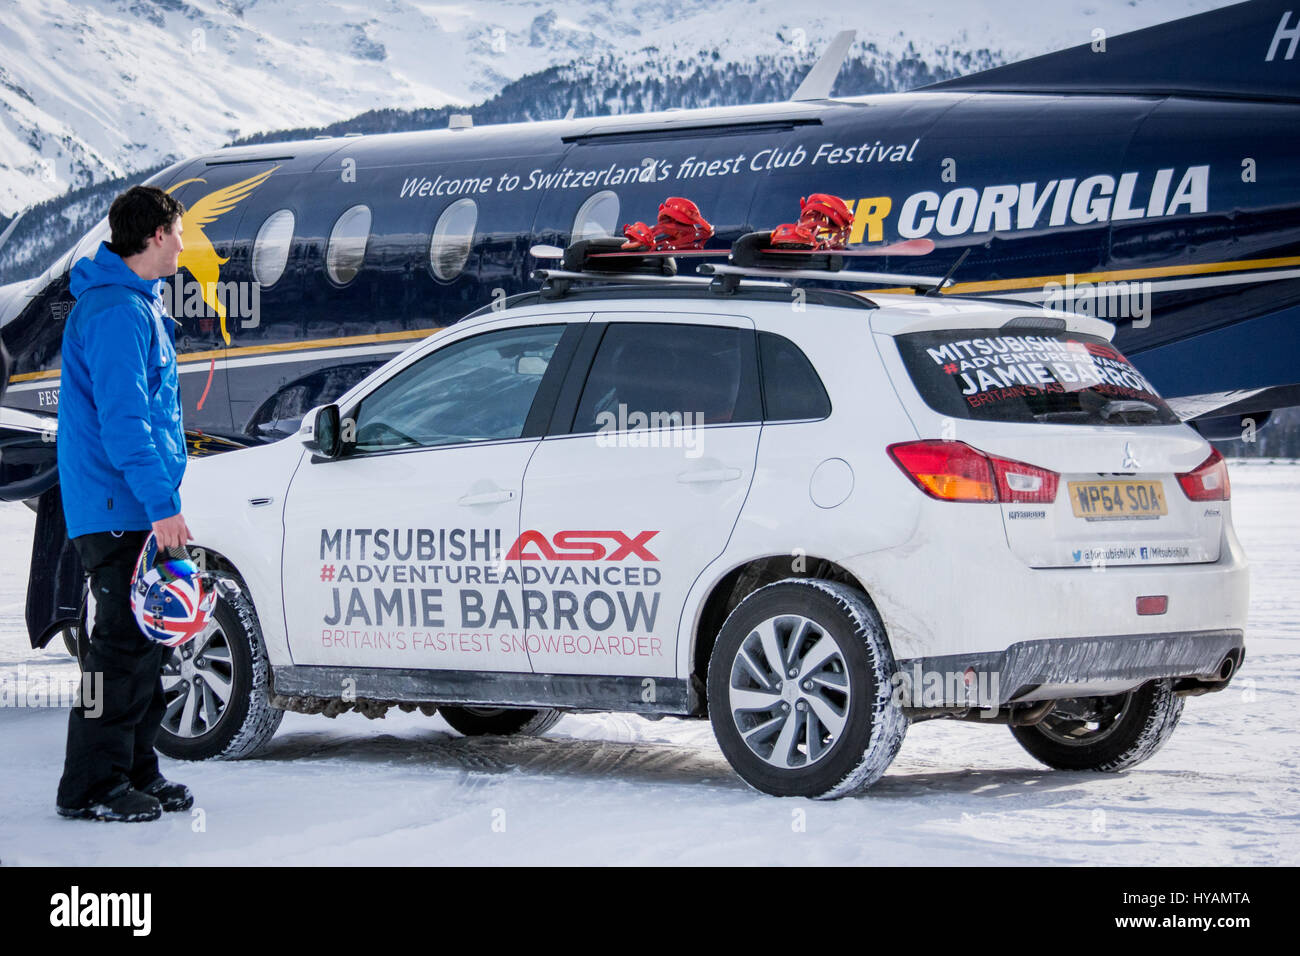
x: 654, y: 79
x: 92, y: 90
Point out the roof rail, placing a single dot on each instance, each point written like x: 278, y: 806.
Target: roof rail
x: 751, y: 291
x: 729, y: 274
x: 557, y: 282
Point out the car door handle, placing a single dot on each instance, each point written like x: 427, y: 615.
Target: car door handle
x: 708, y: 475
x: 486, y: 498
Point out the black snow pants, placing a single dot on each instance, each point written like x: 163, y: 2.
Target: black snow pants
x: 111, y: 739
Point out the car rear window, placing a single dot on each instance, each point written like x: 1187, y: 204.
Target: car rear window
x: 1058, y: 377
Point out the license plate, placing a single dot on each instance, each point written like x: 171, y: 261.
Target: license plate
x: 1117, y: 499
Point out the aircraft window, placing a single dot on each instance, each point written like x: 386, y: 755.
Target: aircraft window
x: 453, y: 237
x: 271, y: 247
x: 597, y: 217
x: 347, y: 245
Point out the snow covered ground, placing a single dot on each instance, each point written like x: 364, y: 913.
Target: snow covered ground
x: 619, y: 789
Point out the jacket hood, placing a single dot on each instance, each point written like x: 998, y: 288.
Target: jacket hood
x: 107, y: 268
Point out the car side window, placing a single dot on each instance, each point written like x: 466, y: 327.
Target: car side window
x: 477, y: 389
x: 791, y: 386
x: 659, y: 374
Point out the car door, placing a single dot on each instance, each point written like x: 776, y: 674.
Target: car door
x: 394, y: 552
x: 636, y: 490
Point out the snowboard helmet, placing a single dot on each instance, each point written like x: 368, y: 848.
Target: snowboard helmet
x: 171, y: 599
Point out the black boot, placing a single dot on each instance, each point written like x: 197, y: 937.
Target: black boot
x: 172, y: 796
x: 123, y: 804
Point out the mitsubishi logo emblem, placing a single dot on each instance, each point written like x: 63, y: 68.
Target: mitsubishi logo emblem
x: 1130, y: 462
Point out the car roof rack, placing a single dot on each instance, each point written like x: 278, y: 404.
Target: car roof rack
x: 603, y: 260
x: 751, y: 266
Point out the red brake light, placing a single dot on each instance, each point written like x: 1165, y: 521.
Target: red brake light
x: 1209, y: 480
x: 954, y: 471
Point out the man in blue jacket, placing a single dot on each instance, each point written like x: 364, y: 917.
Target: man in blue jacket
x: 121, y: 448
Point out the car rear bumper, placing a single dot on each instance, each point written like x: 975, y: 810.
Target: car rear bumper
x: 1074, y: 667
x: 956, y: 589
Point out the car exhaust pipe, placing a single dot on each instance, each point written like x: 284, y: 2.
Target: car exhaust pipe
x: 1226, y: 668
x: 1196, y: 686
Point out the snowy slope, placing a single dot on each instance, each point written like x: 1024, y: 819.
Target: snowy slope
x: 619, y: 789
x: 93, y: 89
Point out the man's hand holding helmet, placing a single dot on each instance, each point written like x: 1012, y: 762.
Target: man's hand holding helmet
x: 172, y: 532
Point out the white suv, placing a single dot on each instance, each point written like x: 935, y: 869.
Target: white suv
x: 812, y: 522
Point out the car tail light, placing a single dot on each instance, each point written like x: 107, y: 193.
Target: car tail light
x: 947, y: 470
x: 1209, y: 481
x: 954, y: 471
x: 1018, y: 481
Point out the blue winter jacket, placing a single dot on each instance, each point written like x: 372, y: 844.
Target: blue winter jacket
x: 121, y: 441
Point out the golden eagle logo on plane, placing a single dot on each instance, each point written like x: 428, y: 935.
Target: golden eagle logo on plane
x: 199, y: 255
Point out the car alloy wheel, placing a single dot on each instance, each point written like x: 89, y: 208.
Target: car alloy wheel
x: 197, y: 682
x: 789, y: 691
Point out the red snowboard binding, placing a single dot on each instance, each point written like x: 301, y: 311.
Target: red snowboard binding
x: 824, y: 225
x: 680, y: 226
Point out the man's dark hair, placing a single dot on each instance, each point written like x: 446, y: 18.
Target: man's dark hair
x: 136, y: 215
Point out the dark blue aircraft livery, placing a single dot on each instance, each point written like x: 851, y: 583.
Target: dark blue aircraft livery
x: 1152, y: 179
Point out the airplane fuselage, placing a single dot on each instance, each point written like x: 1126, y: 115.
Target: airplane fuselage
x: 1176, y: 217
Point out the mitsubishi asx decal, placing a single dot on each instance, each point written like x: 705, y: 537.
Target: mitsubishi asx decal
x: 424, y: 596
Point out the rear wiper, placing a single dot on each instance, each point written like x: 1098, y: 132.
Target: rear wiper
x: 1064, y: 415
x: 1126, y: 407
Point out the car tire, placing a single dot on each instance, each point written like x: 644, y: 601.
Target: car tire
x: 1128, y: 729
x: 229, y: 659
x: 839, y: 727
x: 499, y: 721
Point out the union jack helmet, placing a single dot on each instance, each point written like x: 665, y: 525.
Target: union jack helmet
x: 171, y: 599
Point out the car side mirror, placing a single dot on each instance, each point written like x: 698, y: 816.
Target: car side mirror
x: 326, y: 438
